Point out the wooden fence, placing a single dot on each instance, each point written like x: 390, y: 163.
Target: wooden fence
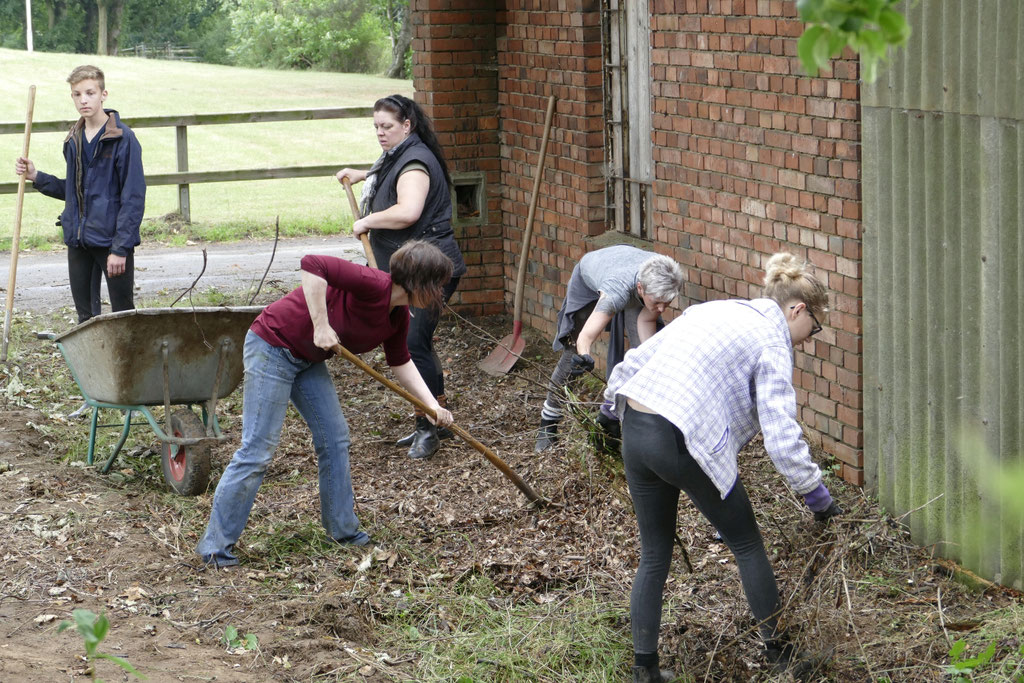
x: 181, y: 53
x: 184, y: 176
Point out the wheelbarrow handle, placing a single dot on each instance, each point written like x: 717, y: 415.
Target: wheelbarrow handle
x: 46, y: 335
x: 509, y: 473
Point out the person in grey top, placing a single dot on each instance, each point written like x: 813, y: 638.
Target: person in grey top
x: 621, y: 288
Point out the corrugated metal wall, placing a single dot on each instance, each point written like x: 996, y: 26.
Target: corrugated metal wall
x: 943, y: 192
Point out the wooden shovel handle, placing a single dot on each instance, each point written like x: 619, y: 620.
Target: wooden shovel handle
x: 16, y: 237
x: 355, y: 216
x: 495, y: 460
x: 524, y: 253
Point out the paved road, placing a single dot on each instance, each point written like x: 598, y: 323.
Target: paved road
x: 42, y: 277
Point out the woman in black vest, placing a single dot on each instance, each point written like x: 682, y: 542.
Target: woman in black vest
x: 406, y: 196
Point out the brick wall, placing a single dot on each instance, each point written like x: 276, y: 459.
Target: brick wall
x: 751, y: 158
x: 456, y: 81
x: 551, y: 48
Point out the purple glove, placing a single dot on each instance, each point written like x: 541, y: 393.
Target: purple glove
x: 821, y: 504
x: 819, y: 499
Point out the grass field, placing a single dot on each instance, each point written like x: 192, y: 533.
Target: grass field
x: 146, y: 87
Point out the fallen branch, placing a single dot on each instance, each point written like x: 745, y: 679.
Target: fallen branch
x: 193, y: 285
x: 277, y: 234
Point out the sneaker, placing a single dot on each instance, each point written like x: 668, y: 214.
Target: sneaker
x: 81, y: 412
x: 360, y: 539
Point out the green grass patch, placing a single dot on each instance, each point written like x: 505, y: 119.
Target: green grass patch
x: 994, y: 651
x: 282, y: 544
x: 476, y: 633
x: 146, y: 87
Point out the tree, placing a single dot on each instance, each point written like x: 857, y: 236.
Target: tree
x: 397, y: 18
x: 335, y: 35
x: 103, y: 20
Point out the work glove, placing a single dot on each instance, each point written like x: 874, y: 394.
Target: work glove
x: 831, y: 511
x: 581, y: 364
x: 822, y: 504
x: 609, y: 422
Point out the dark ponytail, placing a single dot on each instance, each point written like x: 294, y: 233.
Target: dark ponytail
x: 404, y: 110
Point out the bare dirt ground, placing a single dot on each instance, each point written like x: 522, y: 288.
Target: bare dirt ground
x: 122, y: 544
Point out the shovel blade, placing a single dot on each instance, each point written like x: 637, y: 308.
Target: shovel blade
x: 504, y: 356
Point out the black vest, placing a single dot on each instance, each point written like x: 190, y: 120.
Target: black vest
x: 434, y: 224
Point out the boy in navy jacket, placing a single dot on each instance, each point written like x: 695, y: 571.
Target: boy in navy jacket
x: 104, y: 195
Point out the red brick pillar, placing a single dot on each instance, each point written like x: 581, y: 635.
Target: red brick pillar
x: 456, y: 81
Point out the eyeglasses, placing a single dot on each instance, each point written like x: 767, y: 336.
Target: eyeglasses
x: 816, y: 327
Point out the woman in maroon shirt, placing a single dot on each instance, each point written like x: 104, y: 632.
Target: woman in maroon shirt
x: 284, y: 354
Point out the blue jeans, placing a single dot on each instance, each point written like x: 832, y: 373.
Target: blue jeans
x: 272, y: 377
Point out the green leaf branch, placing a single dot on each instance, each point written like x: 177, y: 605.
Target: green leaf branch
x: 869, y: 27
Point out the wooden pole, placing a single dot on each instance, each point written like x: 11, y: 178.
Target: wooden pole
x: 517, y: 312
x: 509, y: 473
x: 181, y: 147
x: 16, y: 239
x: 355, y: 216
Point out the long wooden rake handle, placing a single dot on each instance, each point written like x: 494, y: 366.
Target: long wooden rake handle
x: 524, y: 254
x: 16, y: 239
x: 355, y: 216
x: 509, y: 473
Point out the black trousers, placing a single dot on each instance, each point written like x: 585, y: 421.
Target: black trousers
x: 83, y: 262
x: 658, y: 466
x: 420, y: 340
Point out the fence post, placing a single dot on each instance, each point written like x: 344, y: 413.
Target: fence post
x: 181, y: 144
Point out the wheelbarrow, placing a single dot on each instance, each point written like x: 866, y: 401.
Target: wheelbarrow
x: 132, y: 360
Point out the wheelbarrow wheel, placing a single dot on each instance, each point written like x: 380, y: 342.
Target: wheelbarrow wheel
x: 186, y: 468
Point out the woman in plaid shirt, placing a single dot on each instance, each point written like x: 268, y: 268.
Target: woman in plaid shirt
x: 689, y: 399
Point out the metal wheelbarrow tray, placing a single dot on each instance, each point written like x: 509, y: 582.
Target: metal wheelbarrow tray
x: 132, y: 360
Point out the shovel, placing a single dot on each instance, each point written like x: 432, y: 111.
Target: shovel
x: 15, y: 240
x: 509, y: 473
x: 355, y: 216
x: 502, y: 358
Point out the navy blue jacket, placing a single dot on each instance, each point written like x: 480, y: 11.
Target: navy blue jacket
x: 105, y: 209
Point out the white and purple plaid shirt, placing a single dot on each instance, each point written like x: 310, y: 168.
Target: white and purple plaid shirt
x: 720, y: 372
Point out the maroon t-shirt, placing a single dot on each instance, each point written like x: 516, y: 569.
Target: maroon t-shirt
x: 358, y: 303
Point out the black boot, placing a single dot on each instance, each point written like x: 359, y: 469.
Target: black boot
x: 547, y: 434
x: 442, y: 432
x: 424, y: 440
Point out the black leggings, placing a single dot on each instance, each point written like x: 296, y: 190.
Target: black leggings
x: 420, y: 340
x: 658, y: 466
x: 83, y: 264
